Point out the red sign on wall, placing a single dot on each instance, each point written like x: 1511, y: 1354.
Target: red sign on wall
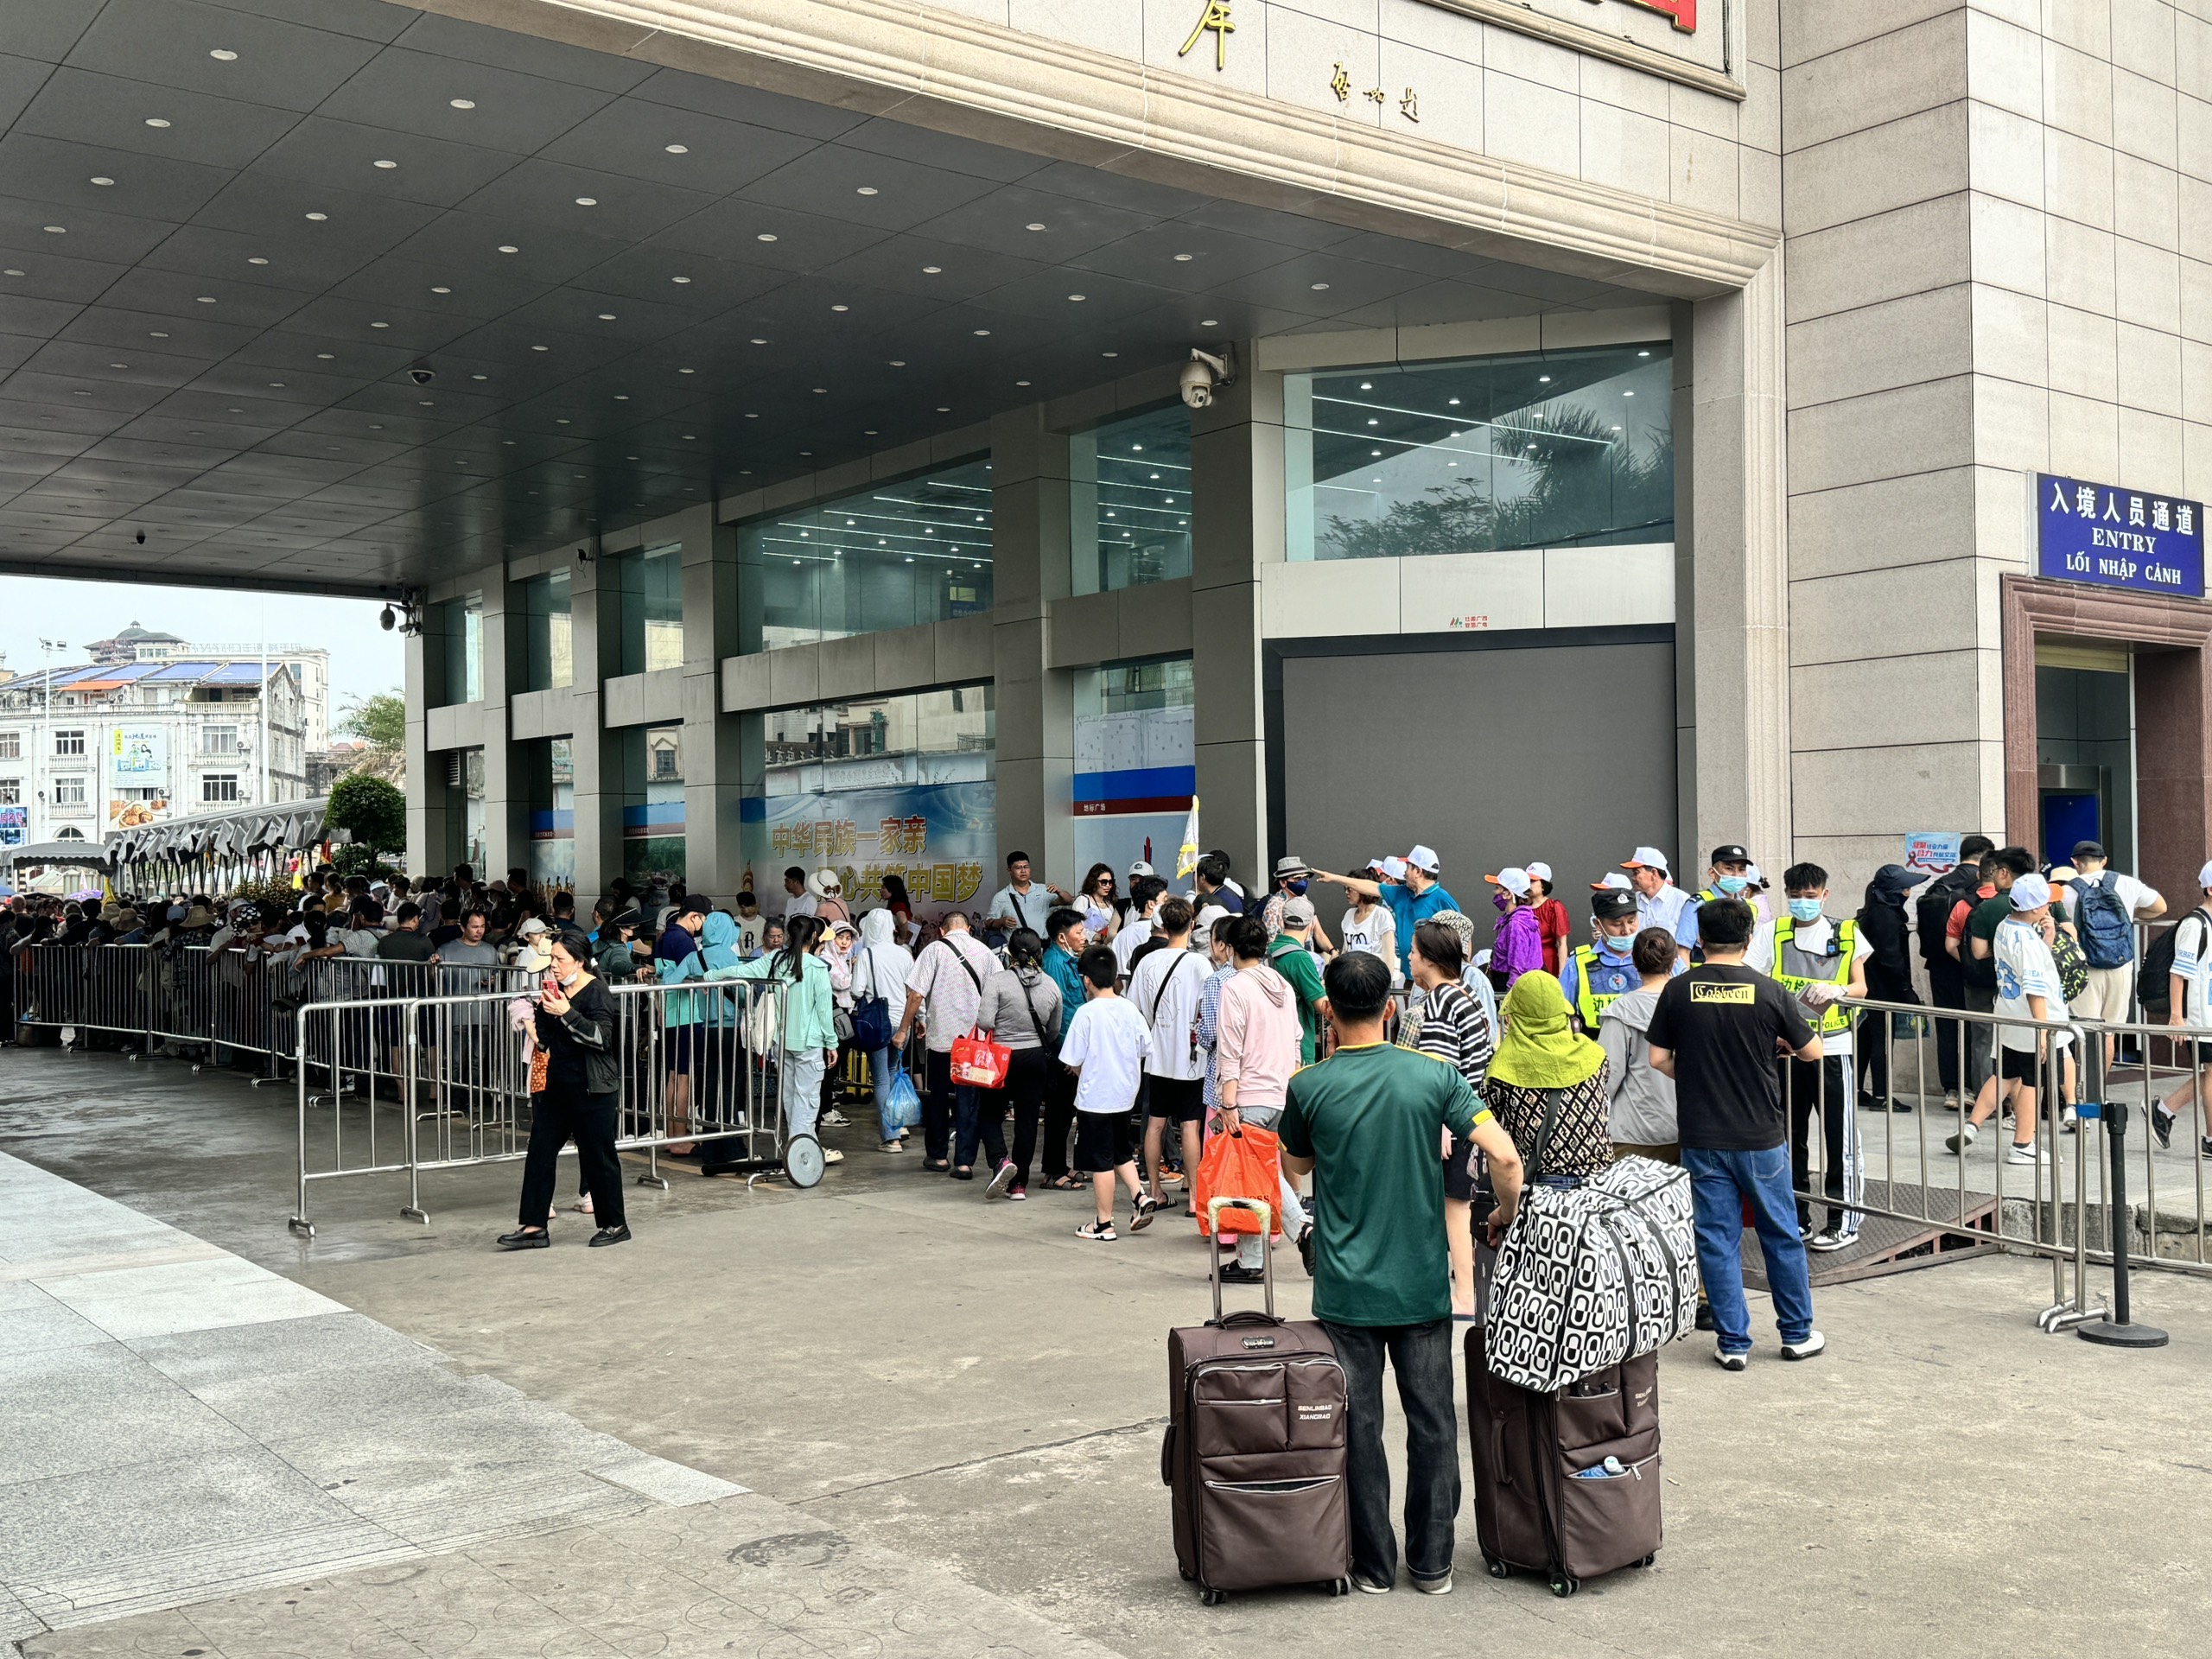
x: 1682, y: 12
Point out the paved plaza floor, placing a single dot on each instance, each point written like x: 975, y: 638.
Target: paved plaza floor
x: 946, y: 1415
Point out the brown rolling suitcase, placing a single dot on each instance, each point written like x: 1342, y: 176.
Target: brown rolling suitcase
x: 1255, y: 1448
x: 1567, y: 1485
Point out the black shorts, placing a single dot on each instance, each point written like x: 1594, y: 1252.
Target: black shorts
x: 1103, y: 1142
x: 2018, y: 1063
x: 1176, y: 1099
x: 1458, y: 1171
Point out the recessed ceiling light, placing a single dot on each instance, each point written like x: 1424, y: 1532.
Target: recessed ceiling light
x: 274, y: 385
x: 687, y: 371
x: 1078, y: 297
x: 841, y: 308
x: 325, y: 357
x: 57, y: 230
x: 981, y: 334
x: 257, y: 260
x: 1543, y: 379
x: 480, y: 376
x: 866, y: 190
x: 386, y: 166
x: 102, y: 181
x: 759, y: 342
x: 1033, y: 227
x: 621, y: 396
x: 507, y: 443
x: 629, y: 457
x: 690, y: 437
x: 223, y: 55
x: 1110, y: 354
x: 1628, y: 394
x: 509, y: 247
x: 426, y: 403
x: 945, y: 409
x: 155, y: 121
x: 679, y: 279
x: 868, y: 432
x: 933, y: 270
x: 1454, y: 401
x: 318, y: 218
x: 205, y: 299
x: 441, y: 290
x: 587, y: 201
x: 560, y: 420
x: 541, y: 349
x: 607, y: 316
x: 765, y: 236
x: 462, y: 103
x: 1367, y: 386
x: 379, y: 325
x: 819, y: 391
x: 1021, y: 383
x: 1183, y: 258
x: 1643, y: 353
x: 1320, y: 288
x: 10, y: 271
x: 751, y: 417
x: 678, y: 149
x: 157, y: 334
x: 1208, y: 322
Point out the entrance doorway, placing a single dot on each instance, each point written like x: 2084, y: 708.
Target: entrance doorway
x: 2085, y: 748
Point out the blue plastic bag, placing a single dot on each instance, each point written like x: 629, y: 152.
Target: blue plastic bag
x: 902, y: 1103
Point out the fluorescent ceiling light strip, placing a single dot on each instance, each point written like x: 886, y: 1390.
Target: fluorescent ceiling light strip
x: 1445, y: 420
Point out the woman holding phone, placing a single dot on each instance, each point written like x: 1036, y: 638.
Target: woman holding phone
x: 575, y: 1026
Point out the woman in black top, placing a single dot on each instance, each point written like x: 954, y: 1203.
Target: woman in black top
x: 575, y: 1026
x: 1889, y: 979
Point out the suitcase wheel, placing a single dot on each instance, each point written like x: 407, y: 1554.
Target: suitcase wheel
x: 1498, y: 1569
x: 1647, y: 1561
x: 1564, y: 1586
x: 1336, y: 1587
x: 1211, y: 1597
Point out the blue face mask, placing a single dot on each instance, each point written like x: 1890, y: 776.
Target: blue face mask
x: 1615, y: 947
x: 1732, y: 885
x: 1297, y: 886
x: 1805, y: 910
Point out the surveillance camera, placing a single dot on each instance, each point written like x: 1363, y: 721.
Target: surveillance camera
x: 387, y: 621
x: 1197, y: 384
x: 422, y: 377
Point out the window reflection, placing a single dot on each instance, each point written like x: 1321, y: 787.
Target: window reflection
x: 1130, y: 498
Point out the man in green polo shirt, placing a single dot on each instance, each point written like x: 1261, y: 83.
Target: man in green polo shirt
x: 1372, y: 1119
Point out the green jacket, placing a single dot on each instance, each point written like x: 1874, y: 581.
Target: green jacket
x: 1295, y: 963
x: 808, y: 1021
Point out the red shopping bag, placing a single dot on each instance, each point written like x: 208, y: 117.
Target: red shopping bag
x: 1241, y: 1163
x: 979, y: 1062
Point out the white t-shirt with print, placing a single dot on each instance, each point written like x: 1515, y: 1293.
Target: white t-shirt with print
x: 1812, y: 938
x: 1172, y: 979
x: 2026, y: 968
x: 1108, y: 1040
x: 1377, y: 935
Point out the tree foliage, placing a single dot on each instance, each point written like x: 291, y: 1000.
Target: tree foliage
x: 380, y: 721
x: 1580, y: 480
x: 372, y: 809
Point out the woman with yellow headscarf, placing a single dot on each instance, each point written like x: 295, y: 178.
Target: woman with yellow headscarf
x: 1542, y: 1052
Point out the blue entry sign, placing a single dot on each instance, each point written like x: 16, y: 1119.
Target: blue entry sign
x: 2118, y: 538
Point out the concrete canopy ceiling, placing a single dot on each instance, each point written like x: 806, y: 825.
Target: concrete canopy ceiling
x: 231, y: 233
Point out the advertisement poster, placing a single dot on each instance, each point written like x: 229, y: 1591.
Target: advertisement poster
x: 14, y: 821
x: 940, y: 838
x: 1931, y: 852
x: 138, y: 776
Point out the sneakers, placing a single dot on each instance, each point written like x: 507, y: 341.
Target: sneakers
x: 1729, y: 1361
x: 1369, y: 1586
x: 1950, y: 1100
x: 2162, y: 1125
x: 1237, y: 1273
x: 1433, y: 1586
x: 835, y: 1119
x: 1100, y: 1232
x: 1964, y: 1138
x: 2018, y: 1153
x: 1813, y: 1342
x: 1828, y: 1239
x: 1017, y: 1193
x: 1001, y: 1178
x: 2206, y: 1143
x: 1705, y: 1316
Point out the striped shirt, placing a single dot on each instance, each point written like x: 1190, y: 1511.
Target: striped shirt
x: 1455, y: 1029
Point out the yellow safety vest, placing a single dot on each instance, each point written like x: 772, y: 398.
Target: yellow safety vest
x: 1834, y: 1017
x: 1589, y: 1003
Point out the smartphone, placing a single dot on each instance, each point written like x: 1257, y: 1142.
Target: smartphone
x: 549, y: 986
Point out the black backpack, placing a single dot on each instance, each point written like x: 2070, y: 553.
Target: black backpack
x: 1932, y: 911
x: 2154, y: 979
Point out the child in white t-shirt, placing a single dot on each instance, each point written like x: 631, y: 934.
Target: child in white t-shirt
x: 2027, y: 988
x: 1105, y: 1046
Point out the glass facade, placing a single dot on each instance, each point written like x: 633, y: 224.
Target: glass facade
x: 461, y: 625
x: 1130, y: 502
x: 652, y: 801
x: 904, y: 786
x: 652, y: 585
x: 548, y: 660
x: 889, y: 556
x: 471, y: 808
x: 552, y: 780
x: 1135, y: 764
x: 1542, y: 449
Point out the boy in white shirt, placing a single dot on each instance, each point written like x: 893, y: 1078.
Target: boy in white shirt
x: 2027, y: 988
x: 1165, y: 989
x: 1105, y: 1047
x: 1145, y: 894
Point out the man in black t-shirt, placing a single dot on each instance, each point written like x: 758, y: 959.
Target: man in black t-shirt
x: 1717, y: 1031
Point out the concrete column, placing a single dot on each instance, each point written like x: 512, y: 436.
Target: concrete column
x: 1237, y: 526
x: 713, y: 757
x: 506, y: 774
x: 1036, y: 758
x: 1738, y: 722
x: 595, y: 752
x: 426, y: 784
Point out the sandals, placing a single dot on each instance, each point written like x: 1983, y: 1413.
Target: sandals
x: 937, y: 1166
x: 1141, y: 1212
x: 1100, y: 1232
x: 1065, y: 1183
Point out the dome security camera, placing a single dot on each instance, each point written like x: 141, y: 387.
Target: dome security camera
x: 387, y: 621
x: 1204, y: 371
x: 422, y: 377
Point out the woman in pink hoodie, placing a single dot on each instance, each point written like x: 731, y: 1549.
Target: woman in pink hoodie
x: 1255, y: 1050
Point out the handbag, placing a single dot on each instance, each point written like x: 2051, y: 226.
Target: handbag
x: 871, y: 1019
x: 979, y: 1062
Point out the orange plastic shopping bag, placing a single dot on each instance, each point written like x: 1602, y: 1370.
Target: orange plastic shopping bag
x: 1241, y: 1163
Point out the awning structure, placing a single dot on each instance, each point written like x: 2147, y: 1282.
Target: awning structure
x: 85, y: 855
x: 242, y: 832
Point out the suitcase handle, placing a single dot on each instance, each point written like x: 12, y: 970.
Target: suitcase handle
x: 1214, y: 1207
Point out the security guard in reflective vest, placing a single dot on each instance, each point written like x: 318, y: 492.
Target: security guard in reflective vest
x: 1595, y: 974
x: 1819, y: 961
x: 1727, y: 876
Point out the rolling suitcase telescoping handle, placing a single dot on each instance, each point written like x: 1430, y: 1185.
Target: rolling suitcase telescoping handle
x: 1259, y: 1206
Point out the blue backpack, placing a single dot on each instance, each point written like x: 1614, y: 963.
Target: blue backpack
x: 2107, y: 931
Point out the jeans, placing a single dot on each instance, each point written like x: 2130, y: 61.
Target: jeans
x: 1252, y: 1248
x: 1422, y: 1356
x: 557, y: 1117
x: 978, y: 1115
x: 878, y: 1078
x: 937, y: 1107
x: 1825, y: 1087
x: 1720, y: 1182
x: 802, y: 1091
x: 1947, y: 989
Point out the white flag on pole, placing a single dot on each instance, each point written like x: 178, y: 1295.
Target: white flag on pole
x: 1187, y: 857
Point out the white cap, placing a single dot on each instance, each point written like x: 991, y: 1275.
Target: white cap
x: 1141, y: 868
x: 1424, y: 859
x: 1396, y: 870
x: 1650, y: 858
x: 2204, y: 876
x: 1207, y: 917
x: 1513, y: 878
x: 530, y: 928
x: 1615, y: 879
x: 2030, y: 892
x: 1540, y: 871
x: 1752, y: 874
